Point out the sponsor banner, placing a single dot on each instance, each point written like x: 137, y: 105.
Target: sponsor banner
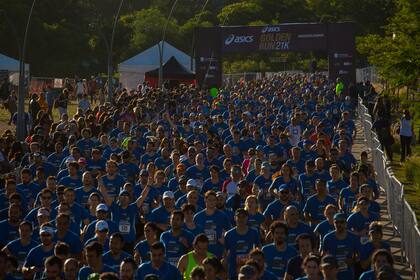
x: 293, y: 37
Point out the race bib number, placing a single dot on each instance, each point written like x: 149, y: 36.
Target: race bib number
x: 211, y: 235
x: 124, y: 227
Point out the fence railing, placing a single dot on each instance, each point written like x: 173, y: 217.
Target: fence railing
x: 400, y: 213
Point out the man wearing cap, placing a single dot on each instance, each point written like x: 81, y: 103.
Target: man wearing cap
x: 101, y: 235
x: 162, y: 214
x: 375, y: 243
x: 177, y: 240
x: 158, y: 265
x: 125, y: 214
x: 34, y: 262
x: 276, y: 208
x: 316, y: 203
x: 101, y: 215
x: 343, y: 245
x: 278, y: 253
x: 239, y: 241
x: 329, y: 268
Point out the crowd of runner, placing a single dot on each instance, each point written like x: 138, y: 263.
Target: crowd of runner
x: 256, y: 182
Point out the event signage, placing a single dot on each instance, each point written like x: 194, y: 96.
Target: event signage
x: 334, y: 39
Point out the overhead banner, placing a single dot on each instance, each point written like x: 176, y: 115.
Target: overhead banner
x: 336, y: 39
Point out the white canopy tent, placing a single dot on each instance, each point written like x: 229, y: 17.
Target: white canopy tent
x: 12, y: 65
x: 133, y: 69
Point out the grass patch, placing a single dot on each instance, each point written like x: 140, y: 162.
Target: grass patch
x: 409, y: 174
x: 4, y: 115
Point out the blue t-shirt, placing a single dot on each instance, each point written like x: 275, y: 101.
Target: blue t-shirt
x: 30, y: 190
x: 255, y: 221
x: 294, y: 232
x: 323, y: 228
x: 165, y: 272
x: 342, y: 250
x: 85, y: 271
x: 239, y: 246
x: 316, y: 208
x: 358, y: 222
x: 213, y: 226
x: 70, y: 182
x: 307, y: 184
x: 36, y: 257
x: 82, y: 196
x: 276, y: 208
x: 20, y: 251
x: 8, y: 232
x: 348, y: 197
x: 143, y: 249
x: 72, y: 240
x: 209, y: 185
x: 125, y: 220
x: 263, y: 185
x: 128, y: 171
x: 367, y: 249
x: 113, y: 186
x: 276, y: 260
x: 334, y: 188
x: 90, y: 230
x: 113, y: 263
x: 174, y: 247
x: 160, y: 215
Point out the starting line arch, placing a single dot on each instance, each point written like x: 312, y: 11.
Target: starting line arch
x: 336, y: 39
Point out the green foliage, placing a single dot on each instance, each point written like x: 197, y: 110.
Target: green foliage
x: 69, y: 37
x: 396, y: 54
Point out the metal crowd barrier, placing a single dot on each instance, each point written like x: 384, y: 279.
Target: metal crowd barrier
x: 401, y: 215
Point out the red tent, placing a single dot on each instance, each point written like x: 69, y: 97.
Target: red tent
x: 173, y: 74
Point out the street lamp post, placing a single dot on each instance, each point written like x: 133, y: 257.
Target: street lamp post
x: 21, y: 124
x: 110, y: 91
x: 161, y: 45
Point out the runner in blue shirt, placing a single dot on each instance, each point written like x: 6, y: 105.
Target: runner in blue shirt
x: 64, y: 234
x: 263, y: 183
x: 278, y: 253
x: 19, y: 248
x: 123, y: 213
x: 127, y: 169
x: 239, y: 241
x: 28, y: 187
x: 162, y: 214
x: 94, y: 260
x: 214, y: 222
x: 327, y: 225
x: 336, y: 184
x: 359, y: 221
x: 9, y: 228
x: 294, y: 226
x: 101, y: 215
x: 348, y: 195
x: 177, y: 240
x: 111, y: 180
x: 382, y: 261
x: 158, y: 265
x: 307, y: 180
x: 276, y: 208
x: 73, y: 180
x: 114, y: 257
x: 142, y: 249
x: 343, y: 245
x: 34, y: 262
x: 315, y: 205
x: 374, y: 244
x: 214, y: 182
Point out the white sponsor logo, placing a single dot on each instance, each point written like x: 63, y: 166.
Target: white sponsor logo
x: 341, y: 72
x: 346, y: 63
x: 270, y: 29
x: 239, y: 39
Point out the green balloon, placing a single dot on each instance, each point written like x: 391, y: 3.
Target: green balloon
x: 214, y: 92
